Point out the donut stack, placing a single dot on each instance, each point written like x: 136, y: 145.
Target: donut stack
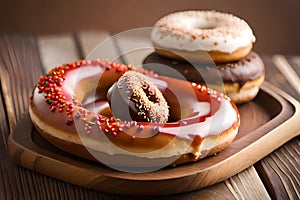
x: 208, y: 47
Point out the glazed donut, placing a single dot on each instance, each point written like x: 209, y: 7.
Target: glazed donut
x: 69, y: 107
x: 202, y: 36
x: 240, y: 80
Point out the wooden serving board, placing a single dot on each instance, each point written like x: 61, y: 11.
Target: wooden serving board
x: 267, y: 122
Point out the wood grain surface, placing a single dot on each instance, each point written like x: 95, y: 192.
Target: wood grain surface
x: 21, y: 54
x: 280, y: 171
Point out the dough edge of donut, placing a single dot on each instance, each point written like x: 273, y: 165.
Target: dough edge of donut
x: 213, y: 55
x: 242, y: 94
x: 210, y: 29
x: 72, y: 144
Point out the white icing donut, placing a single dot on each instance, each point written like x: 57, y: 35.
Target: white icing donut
x: 194, y: 31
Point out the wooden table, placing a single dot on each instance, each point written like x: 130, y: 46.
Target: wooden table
x: 23, y: 58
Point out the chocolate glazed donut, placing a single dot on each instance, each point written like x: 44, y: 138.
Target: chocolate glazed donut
x: 241, y: 79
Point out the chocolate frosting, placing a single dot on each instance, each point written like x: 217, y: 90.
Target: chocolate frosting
x: 249, y: 68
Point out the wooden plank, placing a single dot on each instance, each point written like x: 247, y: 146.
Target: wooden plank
x: 280, y: 171
x: 134, y: 45
x: 5, y: 175
x: 4, y: 125
x: 295, y: 62
x: 97, y: 44
x: 287, y: 70
x: 9, y: 176
x: 247, y: 186
x: 274, y: 76
x: 18, y: 54
x: 89, y: 40
x: 58, y: 49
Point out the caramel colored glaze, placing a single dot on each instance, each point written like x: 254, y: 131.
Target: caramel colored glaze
x: 203, y: 56
x: 67, y: 128
x: 249, y: 68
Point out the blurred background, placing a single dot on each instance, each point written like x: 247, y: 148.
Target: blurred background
x: 275, y: 23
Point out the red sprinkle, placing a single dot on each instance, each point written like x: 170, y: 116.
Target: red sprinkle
x: 51, y: 85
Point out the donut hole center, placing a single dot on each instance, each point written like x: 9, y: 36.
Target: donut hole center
x: 92, y: 96
x: 150, y: 93
x: 205, y: 26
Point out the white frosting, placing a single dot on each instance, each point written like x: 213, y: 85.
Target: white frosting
x: 222, y: 120
x: 202, y: 31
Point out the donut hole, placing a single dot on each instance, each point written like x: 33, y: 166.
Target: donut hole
x: 150, y: 93
x: 90, y: 93
x: 205, y: 26
x: 93, y: 99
